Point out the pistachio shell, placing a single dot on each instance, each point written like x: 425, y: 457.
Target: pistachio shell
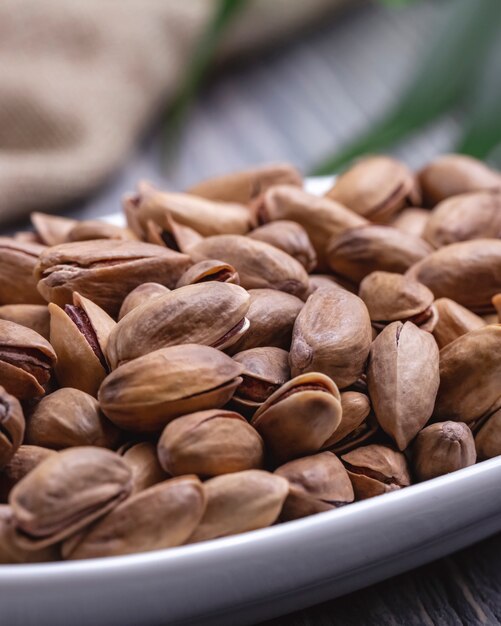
x: 147, y: 393
x: 356, y: 407
x: 165, y: 231
x: 453, y: 321
x: 52, y: 229
x: 209, y: 270
x: 488, y: 438
x: 403, y: 379
x: 332, y: 335
x: 140, y: 295
x: 290, y: 237
x: 12, y: 553
x: 21, y: 463
x: 496, y: 301
x: 34, y: 316
x: 96, y: 229
x: 11, y: 426
x: 143, y: 461
x: 17, y: 284
x: 239, y: 502
x: 412, y: 221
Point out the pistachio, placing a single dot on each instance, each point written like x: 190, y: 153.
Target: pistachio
x: 66, y: 492
x: 34, y: 316
x: 403, y: 379
x: 210, y: 443
x: 360, y: 251
x: 159, y: 517
x: 376, y: 469
x: 354, y: 425
x: 67, y: 418
x: 26, y: 361
x: 332, y: 335
x: 239, y: 502
x: 96, y: 229
x: 259, y: 265
x: 442, y: 448
x: 290, y: 237
x: 140, y: 295
x: 454, y: 174
x: 210, y: 270
x: 211, y: 314
x: 246, y: 186
x: 143, y: 461
x: 322, y: 218
x: 147, y: 393
x: 21, y: 463
x: 390, y: 297
x: 376, y: 187
x: 11, y: 426
x: 105, y: 271
x: 327, y: 280
x: 467, y: 216
x: 10, y: 552
x: 52, y: 229
x: 470, y: 371
x: 496, y: 301
x: 17, y: 284
x: 317, y: 483
x: 488, y: 437
x: 299, y: 418
x: 453, y: 321
x: 412, y: 221
x: 165, y: 231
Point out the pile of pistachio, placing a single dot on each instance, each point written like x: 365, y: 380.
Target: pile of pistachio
x: 245, y: 354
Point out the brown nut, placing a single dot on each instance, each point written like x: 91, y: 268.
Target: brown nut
x: 87, y: 230
x: 34, y: 316
x: 403, y: 379
x: 411, y: 221
x: 52, y: 230
x: 376, y: 469
x: 327, y: 280
x: 290, y: 237
x: 165, y: 231
x: 24, y: 460
x: 140, y: 295
x: 145, y: 394
x: 10, y: 552
x: 355, y: 426
x: 239, y: 502
x: 105, y: 271
x: 258, y: 264
x: 317, y: 483
x: 453, y: 174
x: 26, y: 361
x: 453, y: 321
x: 488, y: 437
x: 442, y: 448
x: 332, y: 335
x: 299, y: 417
x: 210, y: 314
x: 159, y: 517
x: 376, y: 187
x: 66, y: 492
x: 11, y: 426
x: 210, y: 270
x: 67, y: 418
x: 143, y: 461
x: 210, y: 443
x: 17, y: 283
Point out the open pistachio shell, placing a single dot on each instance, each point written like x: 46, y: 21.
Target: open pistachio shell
x: 52, y: 229
x: 356, y: 407
x: 165, y: 231
x: 210, y: 270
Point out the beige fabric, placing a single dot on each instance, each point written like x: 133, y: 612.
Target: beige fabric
x: 80, y: 80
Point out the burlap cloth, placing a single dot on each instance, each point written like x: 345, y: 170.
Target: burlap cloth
x: 80, y: 80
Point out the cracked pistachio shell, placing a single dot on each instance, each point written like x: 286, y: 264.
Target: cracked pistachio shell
x: 317, y: 483
x: 240, y: 502
x: 145, y: 394
x: 454, y: 174
x: 11, y: 426
x: 412, y: 221
x: 67, y: 418
x: 271, y: 316
x: 376, y: 469
x: 211, y: 314
x: 206, y: 217
x: 453, y: 321
x: 322, y: 218
x: 496, y: 301
x: 143, y: 461
x: 159, y: 517
x: 34, y: 316
x: 470, y: 375
x: 390, y: 297
x: 290, y: 237
x: 259, y: 265
x: 17, y: 283
x: 26, y: 361
x: 246, y: 186
x: 210, y: 443
x: 165, y: 231
x: 488, y: 437
x: 21, y: 463
x: 442, y: 448
x: 10, y: 552
x: 87, y: 230
x: 66, y: 492
x: 468, y: 216
x: 468, y: 272
x: 140, y: 295
x: 403, y: 379
x: 356, y: 407
x: 52, y: 230
x: 299, y: 417
x: 332, y: 335
x: 210, y: 270
x: 360, y: 251
x: 376, y: 187
x: 266, y: 369
x: 105, y: 270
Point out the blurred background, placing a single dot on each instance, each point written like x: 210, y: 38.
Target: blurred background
x: 96, y: 95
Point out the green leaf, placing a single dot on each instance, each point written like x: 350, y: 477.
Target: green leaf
x: 441, y: 80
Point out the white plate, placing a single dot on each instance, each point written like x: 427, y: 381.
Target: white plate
x: 265, y: 573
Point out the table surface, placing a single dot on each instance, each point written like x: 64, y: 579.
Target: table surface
x: 299, y: 102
